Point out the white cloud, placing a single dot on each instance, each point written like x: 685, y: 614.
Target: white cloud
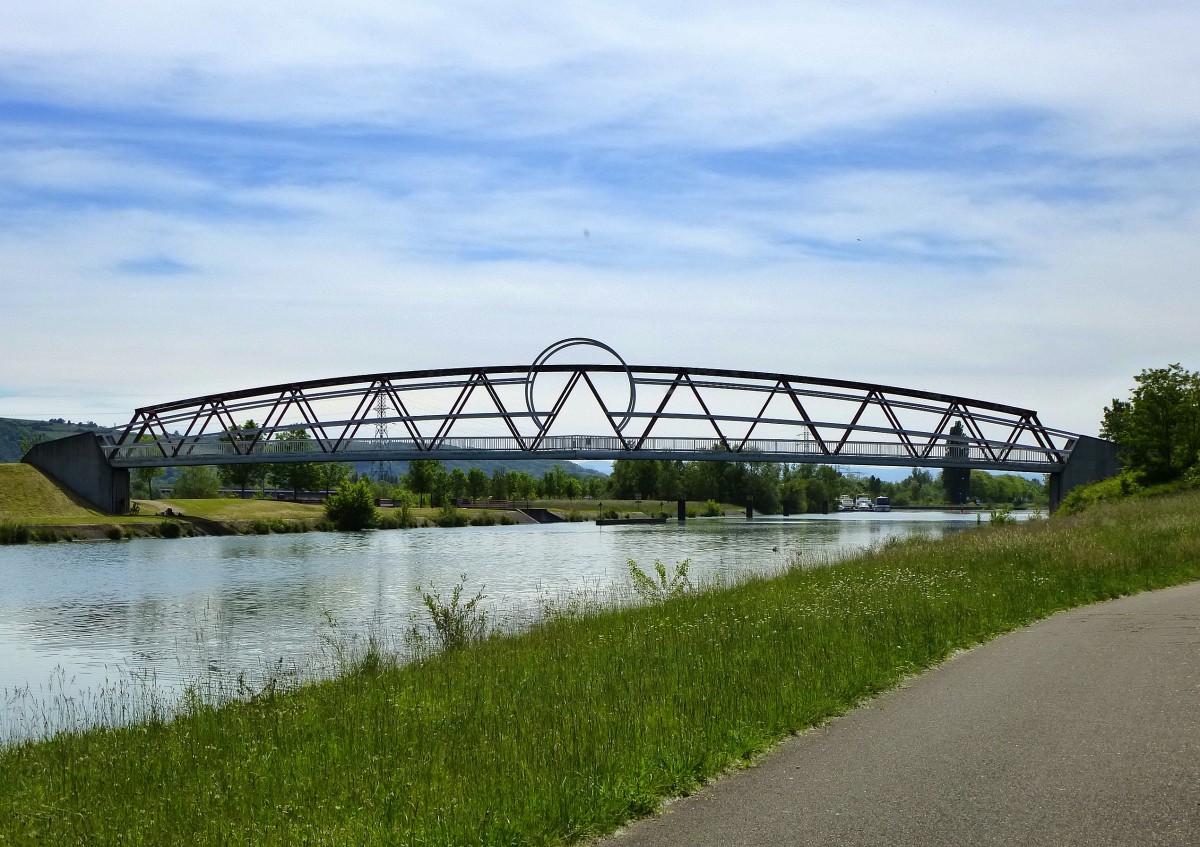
x: 999, y: 201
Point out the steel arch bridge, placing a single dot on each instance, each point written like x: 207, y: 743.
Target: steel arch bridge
x: 604, y: 410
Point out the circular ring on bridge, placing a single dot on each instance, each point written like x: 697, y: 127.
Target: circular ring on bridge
x: 559, y: 346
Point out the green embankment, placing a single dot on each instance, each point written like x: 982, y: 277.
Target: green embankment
x: 590, y: 718
x: 28, y: 496
x: 227, y: 509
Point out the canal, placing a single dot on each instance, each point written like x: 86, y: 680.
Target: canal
x: 81, y: 621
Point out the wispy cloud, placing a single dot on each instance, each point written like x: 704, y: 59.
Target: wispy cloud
x: 984, y: 200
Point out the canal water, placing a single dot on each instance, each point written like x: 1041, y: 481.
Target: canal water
x: 81, y: 621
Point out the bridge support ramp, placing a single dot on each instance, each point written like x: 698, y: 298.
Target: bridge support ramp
x: 78, y: 464
x: 1092, y: 459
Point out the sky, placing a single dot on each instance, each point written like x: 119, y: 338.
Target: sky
x: 996, y: 200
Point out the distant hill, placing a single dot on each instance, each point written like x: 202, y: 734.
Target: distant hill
x: 12, y: 430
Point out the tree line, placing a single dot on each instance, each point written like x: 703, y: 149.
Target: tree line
x: 771, y: 488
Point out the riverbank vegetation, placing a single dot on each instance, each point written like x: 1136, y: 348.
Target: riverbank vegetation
x: 1157, y: 433
x: 584, y: 719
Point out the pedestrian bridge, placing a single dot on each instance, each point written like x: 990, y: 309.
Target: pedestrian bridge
x: 590, y: 410
x: 592, y: 406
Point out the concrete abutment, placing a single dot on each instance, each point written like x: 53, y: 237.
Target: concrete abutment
x: 79, y: 465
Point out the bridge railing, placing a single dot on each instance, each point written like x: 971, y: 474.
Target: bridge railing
x: 222, y: 451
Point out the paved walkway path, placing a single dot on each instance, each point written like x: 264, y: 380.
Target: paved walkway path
x: 1083, y: 729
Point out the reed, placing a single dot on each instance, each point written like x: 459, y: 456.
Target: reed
x: 586, y: 718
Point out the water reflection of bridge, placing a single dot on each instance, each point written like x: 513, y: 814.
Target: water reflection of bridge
x: 604, y: 410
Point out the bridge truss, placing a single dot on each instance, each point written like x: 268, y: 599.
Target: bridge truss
x: 590, y: 411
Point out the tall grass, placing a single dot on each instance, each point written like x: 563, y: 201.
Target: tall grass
x: 587, y: 718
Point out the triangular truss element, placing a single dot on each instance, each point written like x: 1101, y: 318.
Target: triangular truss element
x: 680, y: 413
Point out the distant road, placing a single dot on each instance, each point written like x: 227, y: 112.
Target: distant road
x: 1083, y: 729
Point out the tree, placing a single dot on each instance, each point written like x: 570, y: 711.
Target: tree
x: 143, y: 481
x: 143, y: 478
x: 352, y: 506
x: 424, y: 478
x: 31, y: 440
x: 333, y: 474
x: 243, y: 476
x: 478, y: 484
x: 297, y: 476
x: 457, y: 484
x: 199, y: 482
x: 1157, y: 431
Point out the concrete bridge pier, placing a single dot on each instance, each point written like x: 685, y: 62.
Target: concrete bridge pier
x: 78, y: 464
x: 1091, y: 460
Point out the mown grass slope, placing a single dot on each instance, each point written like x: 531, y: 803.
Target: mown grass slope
x: 29, y: 496
x: 229, y: 509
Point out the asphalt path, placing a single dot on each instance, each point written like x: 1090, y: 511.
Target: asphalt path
x: 1082, y: 729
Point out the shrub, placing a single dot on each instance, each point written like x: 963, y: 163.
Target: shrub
x: 712, y: 509
x: 483, y: 519
x: 1000, y: 517
x: 352, y: 506
x: 663, y: 588
x: 449, y: 515
x: 113, y: 533
x: 170, y: 529
x: 452, y: 623
x: 14, y: 533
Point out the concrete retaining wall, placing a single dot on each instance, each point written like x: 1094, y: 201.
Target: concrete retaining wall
x: 78, y: 464
x: 1092, y: 459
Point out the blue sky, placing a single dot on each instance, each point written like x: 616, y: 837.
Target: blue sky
x: 988, y: 200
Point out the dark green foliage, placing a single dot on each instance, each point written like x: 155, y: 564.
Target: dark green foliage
x: 352, y: 506
x: 1157, y: 430
x: 295, y: 476
x: 449, y: 516
x: 196, y: 483
x: 243, y: 477
x: 14, y: 533
x: 170, y: 529
x: 453, y: 622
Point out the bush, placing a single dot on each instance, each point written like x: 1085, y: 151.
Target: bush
x: 483, y: 519
x: 352, y: 506
x: 650, y: 589
x: 14, y: 533
x: 450, y: 516
x: 712, y: 509
x: 170, y: 529
x: 453, y: 623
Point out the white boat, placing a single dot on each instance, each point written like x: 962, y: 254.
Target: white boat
x: 883, y: 504
x: 864, y: 504
x: 845, y: 503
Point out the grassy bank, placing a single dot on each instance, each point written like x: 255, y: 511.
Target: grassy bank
x: 588, y: 719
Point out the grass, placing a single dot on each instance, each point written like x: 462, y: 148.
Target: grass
x: 588, y: 718
x: 29, y: 496
x: 229, y: 509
